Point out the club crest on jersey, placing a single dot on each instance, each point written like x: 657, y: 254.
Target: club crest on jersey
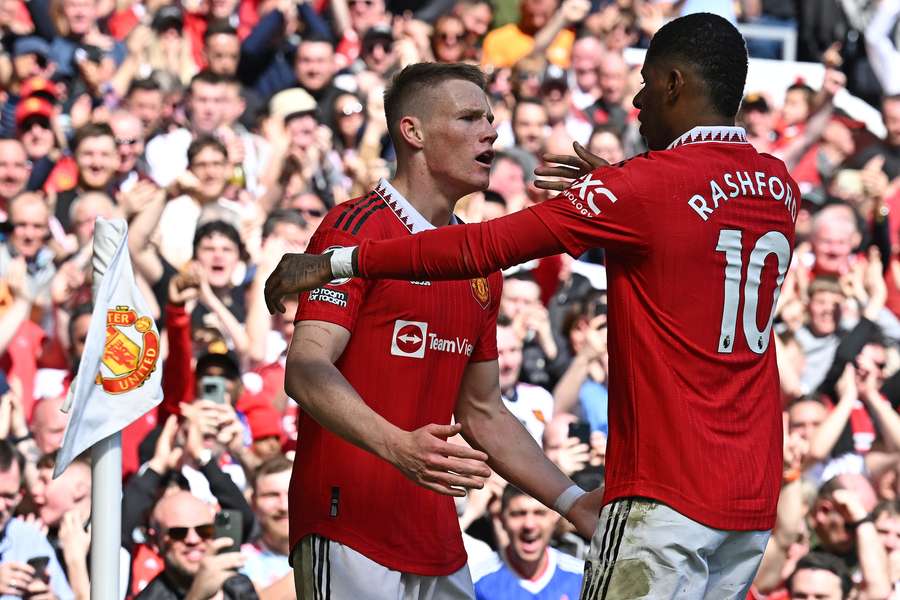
x: 481, y: 290
x: 342, y: 280
x: 130, y: 352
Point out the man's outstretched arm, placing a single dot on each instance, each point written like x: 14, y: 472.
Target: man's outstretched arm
x: 424, y: 456
x: 489, y: 426
x: 455, y: 252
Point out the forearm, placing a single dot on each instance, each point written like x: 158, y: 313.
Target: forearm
x: 325, y: 395
x: 12, y: 320
x: 789, y: 521
x: 873, y: 562
x: 566, y: 391
x: 829, y: 431
x: 259, y: 322
x: 512, y: 452
x: 459, y: 252
x: 77, y: 574
x: 545, y: 36
x: 888, y: 420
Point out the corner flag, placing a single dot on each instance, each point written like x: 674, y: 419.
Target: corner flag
x: 120, y: 372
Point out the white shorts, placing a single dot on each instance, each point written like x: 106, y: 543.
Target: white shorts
x: 328, y: 570
x: 644, y: 549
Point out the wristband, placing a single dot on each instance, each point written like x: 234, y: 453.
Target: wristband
x: 342, y: 262
x: 563, y: 504
x: 853, y: 525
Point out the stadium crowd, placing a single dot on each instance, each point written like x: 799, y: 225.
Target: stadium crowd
x: 224, y: 130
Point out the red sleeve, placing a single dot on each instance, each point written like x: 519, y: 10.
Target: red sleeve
x: 459, y: 251
x: 178, y: 375
x: 339, y: 301
x: 603, y: 209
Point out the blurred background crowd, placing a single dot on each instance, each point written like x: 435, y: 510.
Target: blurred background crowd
x: 224, y: 130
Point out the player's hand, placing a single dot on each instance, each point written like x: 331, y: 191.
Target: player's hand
x: 426, y: 457
x: 567, y: 167
x: 585, y: 513
x: 296, y: 273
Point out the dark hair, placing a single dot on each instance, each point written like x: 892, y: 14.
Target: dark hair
x: 503, y: 321
x: 91, y: 130
x: 888, y: 507
x: 9, y: 455
x: 822, y: 561
x: 714, y: 47
x: 281, y: 215
x: 78, y: 312
x: 219, y: 26
x: 222, y: 228
x: 203, y: 142
x: 147, y: 85
x: 402, y: 95
x: 277, y: 464
x: 290, y: 168
x: 316, y: 38
x: 205, y: 76
x: 509, y: 492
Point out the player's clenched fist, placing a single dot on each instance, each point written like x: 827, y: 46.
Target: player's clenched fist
x: 427, y: 458
x: 296, y: 273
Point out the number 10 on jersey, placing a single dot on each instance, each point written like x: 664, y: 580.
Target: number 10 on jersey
x: 730, y: 242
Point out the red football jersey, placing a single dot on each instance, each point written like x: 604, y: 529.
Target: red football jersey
x: 411, y: 342
x: 698, y: 238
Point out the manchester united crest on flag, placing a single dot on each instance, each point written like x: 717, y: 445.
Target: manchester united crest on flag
x: 481, y: 290
x: 130, y: 352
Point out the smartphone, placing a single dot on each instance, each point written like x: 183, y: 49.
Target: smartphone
x: 230, y: 524
x: 213, y: 388
x: 39, y: 564
x: 580, y: 430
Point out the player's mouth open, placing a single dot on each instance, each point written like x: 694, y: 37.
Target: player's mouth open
x: 485, y: 158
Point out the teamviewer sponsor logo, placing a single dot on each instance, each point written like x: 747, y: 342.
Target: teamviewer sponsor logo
x: 409, y: 338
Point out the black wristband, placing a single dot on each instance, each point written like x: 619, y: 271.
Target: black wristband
x: 17, y: 440
x: 867, y: 519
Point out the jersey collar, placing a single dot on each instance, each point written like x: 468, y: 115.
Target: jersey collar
x: 719, y: 134
x: 406, y: 212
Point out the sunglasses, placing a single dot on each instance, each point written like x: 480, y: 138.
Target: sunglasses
x: 179, y: 534
x: 449, y: 38
x: 311, y: 212
x: 366, y: 3
x: 352, y: 109
x: 126, y: 141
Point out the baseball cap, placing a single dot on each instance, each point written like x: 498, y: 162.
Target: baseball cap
x: 754, y: 101
x: 290, y: 103
x: 226, y: 361
x: 264, y: 421
x: 41, y: 88
x: 168, y: 17
x: 31, y: 44
x: 376, y: 33
x: 554, y: 79
x: 31, y: 107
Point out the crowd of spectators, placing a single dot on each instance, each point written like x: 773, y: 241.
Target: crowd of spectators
x: 224, y: 130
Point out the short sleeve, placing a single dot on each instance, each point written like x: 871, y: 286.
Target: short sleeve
x: 339, y: 301
x: 606, y: 208
x: 486, y: 347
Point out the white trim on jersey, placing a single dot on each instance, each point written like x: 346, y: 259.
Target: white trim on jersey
x: 718, y: 133
x: 403, y: 209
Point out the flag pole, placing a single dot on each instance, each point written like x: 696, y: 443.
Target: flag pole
x: 106, y: 462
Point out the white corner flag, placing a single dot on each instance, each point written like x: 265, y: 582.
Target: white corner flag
x: 120, y: 372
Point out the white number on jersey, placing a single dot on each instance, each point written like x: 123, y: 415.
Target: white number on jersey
x: 773, y: 242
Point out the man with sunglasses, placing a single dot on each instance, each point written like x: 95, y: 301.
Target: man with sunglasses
x: 183, y: 533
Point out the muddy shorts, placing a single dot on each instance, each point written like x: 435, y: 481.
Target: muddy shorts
x: 644, y: 549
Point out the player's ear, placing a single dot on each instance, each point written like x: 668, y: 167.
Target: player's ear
x: 674, y: 83
x: 411, y: 131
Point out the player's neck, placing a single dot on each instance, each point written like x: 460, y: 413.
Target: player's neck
x: 426, y: 196
x: 700, y: 119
